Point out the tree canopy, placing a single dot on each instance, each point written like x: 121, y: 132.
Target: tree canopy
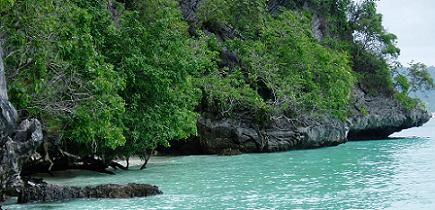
x: 115, y: 77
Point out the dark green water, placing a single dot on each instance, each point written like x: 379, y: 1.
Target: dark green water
x: 388, y: 174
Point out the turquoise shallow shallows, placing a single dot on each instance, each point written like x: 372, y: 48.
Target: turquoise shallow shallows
x: 388, y: 174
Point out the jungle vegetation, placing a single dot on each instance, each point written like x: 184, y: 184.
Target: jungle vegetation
x: 115, y: 78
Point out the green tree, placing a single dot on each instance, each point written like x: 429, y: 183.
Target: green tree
x: 419, y: 77
x: 56, y: 73
x: 160, y: 62
x: 283, y: 70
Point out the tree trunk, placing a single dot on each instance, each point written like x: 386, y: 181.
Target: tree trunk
x: 147, y: 158
x: 63, y: 163
x: 116, y: 165
x: 47, y: 156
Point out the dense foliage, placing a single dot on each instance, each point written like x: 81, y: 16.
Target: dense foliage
x: 285, y: 70
x: 428, y: 96
x: 100, y: 81
x: 123, y: 77
x: 55, y: 72
x: 160, y: 62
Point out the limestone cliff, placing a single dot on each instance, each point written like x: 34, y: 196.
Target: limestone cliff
x: 380, y: 116
x: 383, y: 117
x: 217, y: 135
x: 377, y: 117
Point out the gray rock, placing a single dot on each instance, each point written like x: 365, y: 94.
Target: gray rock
x: 377, y: 117
x: 8, y: 115
x: 216, y: 136
x: 373, y: 117
x: 14, y: 152
x: 8, y: 120
x: 3, y: 87
x: 188, y: 8
x: 36, y: 190
x: 318, y: 26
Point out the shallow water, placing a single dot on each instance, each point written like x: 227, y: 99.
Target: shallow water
x: 387, y: 174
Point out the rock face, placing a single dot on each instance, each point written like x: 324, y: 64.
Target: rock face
x: 8, y: 118
x: 188, y: 8
x: 37, y: 190
x: 15, y: 152
x: 218, y: 136
x: 373, y: 118
x: 377, y: 117
x: 8, y: 115
x: 17, y: 146
x: 3, y: 89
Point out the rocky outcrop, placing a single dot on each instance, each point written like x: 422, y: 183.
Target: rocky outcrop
x: 14, y: 152
x: 380, y: 117
x: 220, y: 135
x: 37, y: 190
x: 377, y: 117
x: 372, y: 117
x: 188, y: 8
x: 17, y: 145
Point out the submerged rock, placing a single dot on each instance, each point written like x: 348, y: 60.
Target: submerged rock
x: 35, y: 190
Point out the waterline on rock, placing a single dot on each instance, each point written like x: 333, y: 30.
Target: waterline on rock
x: 384, y: 174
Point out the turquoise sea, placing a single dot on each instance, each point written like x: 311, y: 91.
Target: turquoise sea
x: 397, y: 173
